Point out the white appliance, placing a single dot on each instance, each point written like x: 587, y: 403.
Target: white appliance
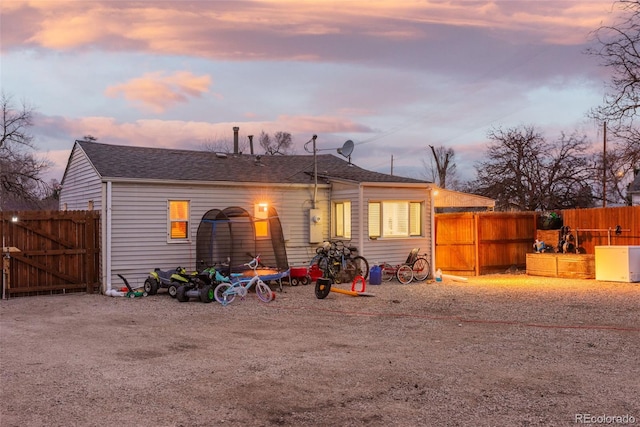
x: 618, y: 263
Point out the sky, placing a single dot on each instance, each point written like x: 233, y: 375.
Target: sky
x: 392, y: 76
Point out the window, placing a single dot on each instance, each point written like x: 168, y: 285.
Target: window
x: 178, y: 220
x: 262, y: 228
x: 395, y: 219
x: 342, y: 219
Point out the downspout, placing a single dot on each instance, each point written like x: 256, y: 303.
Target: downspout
x: 361, y: 219
x: 108, y: 238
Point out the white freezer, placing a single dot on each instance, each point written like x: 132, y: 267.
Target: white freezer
x: 618, y: 263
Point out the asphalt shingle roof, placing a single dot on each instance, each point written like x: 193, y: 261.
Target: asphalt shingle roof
x: 121, y: 161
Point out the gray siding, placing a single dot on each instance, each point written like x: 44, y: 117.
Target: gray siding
x: 139, y: 222
x: 391, y: 250
x: 80, y: 183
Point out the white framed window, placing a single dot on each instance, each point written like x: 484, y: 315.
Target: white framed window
x: 395, y: 219
x: 342, y: 220
x: 178, y: 220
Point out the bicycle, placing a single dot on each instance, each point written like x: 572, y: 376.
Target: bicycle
x: 238, y: 285
x: 416, y: 267
x: 338, y: 262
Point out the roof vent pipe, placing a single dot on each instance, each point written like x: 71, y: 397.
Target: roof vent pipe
x: 251, y: 144
x: 235, y: 139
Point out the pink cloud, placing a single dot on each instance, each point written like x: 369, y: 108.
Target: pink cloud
x: 245, y: 30
x: 157, y: 92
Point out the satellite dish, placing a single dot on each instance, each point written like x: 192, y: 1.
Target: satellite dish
x: 346, y: 149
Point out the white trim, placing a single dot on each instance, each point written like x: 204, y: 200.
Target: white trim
x: 433, y: 231
x: 361, y: 220
x: 170, y: 239
x: 211, y: 183
x: 108, y: 237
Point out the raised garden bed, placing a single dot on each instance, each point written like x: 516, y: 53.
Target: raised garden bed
x: 572, y: 266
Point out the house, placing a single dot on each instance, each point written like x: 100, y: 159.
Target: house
x: 456, y: 201
x: 153, y: 202
x: 633, y: 191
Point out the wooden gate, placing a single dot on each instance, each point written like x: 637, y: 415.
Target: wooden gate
x: 50, y: 252
x: 471, y: 244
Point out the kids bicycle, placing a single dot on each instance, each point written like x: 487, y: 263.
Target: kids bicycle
x: 239, y: 285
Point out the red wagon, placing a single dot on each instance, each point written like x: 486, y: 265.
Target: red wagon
x: 299, y: 275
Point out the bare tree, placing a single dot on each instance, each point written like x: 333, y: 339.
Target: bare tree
x: 525, y: 172
x: 218, y: 145
x: 280, y: 143
x: 619, y: 174
x: 21, y: 183
x: 442, y: 167
x: 618, y: 49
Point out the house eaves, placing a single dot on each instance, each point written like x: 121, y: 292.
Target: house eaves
x: 207, y: 183
x: 456, y: 199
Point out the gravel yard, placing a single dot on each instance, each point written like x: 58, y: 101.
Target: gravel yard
x: 497, y: 350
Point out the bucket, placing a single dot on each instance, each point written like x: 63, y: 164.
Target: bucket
x: 375, y: 275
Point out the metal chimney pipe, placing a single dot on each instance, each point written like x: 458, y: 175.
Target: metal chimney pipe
x: 235, y: 140
x: 251, y: 144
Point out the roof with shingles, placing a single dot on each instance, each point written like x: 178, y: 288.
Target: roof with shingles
x: 147, y: 163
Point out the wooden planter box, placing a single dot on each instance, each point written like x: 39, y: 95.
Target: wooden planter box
x: 571, y: 266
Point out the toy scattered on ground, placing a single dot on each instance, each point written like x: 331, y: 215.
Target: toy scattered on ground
x: 239, y: 285
x: 167, y: 279
x: 324, y: 287
x: 299, y: 276
x: 193, y: 289
x: 130, y: 292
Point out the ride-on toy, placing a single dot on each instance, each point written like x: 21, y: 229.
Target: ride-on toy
x: 195, y: 289
x: 168, y: 279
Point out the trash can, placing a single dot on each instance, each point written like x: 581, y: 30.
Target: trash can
x: 375, y: 275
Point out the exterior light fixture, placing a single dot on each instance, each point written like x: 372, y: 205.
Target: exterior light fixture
x: 261, y: 210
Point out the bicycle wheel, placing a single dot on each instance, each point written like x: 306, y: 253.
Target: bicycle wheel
x: 421, y: 269
x: 263, y: 291
x: 404, y: 274
x: 224, y: 293
x: 324, y: 265
x: 388, y: 272
x: 362, y: 267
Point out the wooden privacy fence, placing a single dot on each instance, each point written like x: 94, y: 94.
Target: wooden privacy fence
x: 597, y: 227
x: 471, y: 244
x: 58, y: 252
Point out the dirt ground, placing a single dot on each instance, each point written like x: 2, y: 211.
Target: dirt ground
x: 499, y: 350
